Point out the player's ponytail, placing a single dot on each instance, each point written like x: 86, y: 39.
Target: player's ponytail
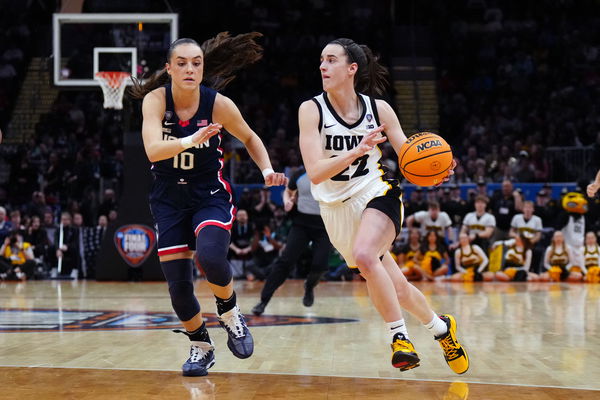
x: 224, y: 55
x: 371, y: 77
x: 375, y: 77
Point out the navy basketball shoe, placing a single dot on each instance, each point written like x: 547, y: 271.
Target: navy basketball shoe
x: 202, y: 357
x: 240, y: 340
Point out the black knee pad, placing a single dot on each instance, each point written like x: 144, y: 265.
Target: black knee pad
x: 181, y: 287
x: 212, y: 245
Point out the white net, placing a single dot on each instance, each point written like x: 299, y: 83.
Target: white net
x: 113, y: 85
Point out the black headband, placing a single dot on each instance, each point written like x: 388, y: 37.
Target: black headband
x: 354, y: 52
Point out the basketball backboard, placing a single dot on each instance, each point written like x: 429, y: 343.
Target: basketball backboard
x: 84, y: 44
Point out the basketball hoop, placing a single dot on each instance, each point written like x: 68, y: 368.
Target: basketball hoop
x: 113, y: 86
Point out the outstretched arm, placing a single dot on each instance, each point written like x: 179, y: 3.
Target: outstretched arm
x: 226, y: 112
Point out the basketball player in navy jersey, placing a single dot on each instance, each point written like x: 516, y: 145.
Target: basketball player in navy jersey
x: 340, y: 131
x: 190, y: 200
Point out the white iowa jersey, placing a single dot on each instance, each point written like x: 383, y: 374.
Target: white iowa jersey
x: 337, y: 138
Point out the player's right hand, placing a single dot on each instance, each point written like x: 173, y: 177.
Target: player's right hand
x: 371, y: 140
x: 204, y: 134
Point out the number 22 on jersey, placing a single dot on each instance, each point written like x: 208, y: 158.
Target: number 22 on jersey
x: 361, y: 169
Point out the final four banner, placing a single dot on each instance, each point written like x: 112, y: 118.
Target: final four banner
x: 135, y: 243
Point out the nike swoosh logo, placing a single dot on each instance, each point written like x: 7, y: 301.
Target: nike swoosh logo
x: 329, y: 126
x: 214, y: 191
x: 170, y: 123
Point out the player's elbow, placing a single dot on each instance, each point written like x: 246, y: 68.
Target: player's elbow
x: 314, y: 177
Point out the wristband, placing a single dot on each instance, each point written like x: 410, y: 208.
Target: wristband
x: 267, y: 171
x: 187, y: 142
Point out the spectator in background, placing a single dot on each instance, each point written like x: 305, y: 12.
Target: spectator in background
x: 112, y: 216
x: 38, y: 238
x: 470, y: 261
x: 37, y: 206
x: 432, y: 258
x: 5, y: 226
x: 263, y: 210
x: 542, y: 208
x: 68, y: 248
x: 92, y: 242
x: 527, y: 222
x: 525, y: 170
x: 591, y: 255
x: 517, y: 261
x: 109, y: 203
x: 49, y: 226
x: 240, y: 255
x: 479, y: 225
x: 454, y: 206
x: 407, y: 256
x: 557, y: 262
x: 415, y: 202
x: 266, y: 244
x: 15, y: 222
x: 532, y: 225
x: 16, y: 258
x: 431, y: 220
x: 78, y: 224
x: 504, y: 205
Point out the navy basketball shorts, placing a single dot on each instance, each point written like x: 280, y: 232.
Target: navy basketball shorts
x: 181, y: 208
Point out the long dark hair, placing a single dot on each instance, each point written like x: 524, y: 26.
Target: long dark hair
x: 224, y: 55
x: 372, y: 77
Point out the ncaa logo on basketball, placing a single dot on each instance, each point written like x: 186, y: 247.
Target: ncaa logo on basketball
x: 135, y: 243
x: 428, y: 145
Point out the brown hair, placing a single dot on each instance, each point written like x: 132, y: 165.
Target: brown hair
x: 526, y: 240
x: 480, y: 197
x: 224, y: 55
x: 372, y: 77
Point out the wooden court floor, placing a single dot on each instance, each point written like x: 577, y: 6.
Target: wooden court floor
x: 83, y: 340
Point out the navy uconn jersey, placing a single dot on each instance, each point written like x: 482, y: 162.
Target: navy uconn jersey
x: 203, y: 160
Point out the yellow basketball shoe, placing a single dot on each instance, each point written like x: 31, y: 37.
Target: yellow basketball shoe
x: 404, y: 356
x: 455, y: 355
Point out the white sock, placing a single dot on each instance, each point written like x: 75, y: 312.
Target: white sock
x: 397, y: 326
x: 437, y: 326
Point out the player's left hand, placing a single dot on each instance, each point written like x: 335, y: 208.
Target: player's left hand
x: 276, y: 179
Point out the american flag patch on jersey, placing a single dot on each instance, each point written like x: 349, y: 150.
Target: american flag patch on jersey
x: 202, y: 122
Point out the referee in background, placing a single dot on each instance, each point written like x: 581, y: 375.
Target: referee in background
x: 307, y: 227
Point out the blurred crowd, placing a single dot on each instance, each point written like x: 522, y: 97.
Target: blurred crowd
x: 512, y: 82
x: 515, y: 79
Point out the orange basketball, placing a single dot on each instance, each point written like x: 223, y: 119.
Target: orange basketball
x: 425, y: 159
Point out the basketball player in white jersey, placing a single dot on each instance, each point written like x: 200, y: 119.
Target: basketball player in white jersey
x: 340, y: 131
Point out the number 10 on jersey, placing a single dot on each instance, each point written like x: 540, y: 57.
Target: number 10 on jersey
x: 184, y: 160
